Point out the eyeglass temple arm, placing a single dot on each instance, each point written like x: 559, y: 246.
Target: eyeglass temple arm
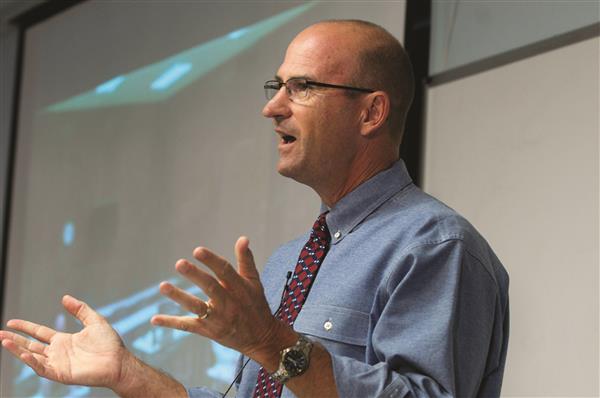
x: 364, y: 90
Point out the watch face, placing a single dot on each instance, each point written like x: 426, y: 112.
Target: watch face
x: 295, y: 362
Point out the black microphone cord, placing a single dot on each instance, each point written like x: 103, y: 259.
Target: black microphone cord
x: 275, y: 314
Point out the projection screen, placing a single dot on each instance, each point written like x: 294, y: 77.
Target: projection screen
x: 139, y: 138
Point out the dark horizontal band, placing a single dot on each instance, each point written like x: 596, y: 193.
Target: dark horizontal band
x: 530, y: 50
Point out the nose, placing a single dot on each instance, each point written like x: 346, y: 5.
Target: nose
x: 278, y: 107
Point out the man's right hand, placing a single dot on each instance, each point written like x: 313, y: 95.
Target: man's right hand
x: 94, y: 356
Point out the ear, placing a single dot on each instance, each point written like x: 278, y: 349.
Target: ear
x: 375, y: 112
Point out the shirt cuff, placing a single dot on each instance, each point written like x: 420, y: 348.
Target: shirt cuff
x: 203, y: 392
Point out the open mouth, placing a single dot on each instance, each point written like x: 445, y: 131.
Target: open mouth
x: 288, y: 139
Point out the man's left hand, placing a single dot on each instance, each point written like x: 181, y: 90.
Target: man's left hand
x: 238, y: 314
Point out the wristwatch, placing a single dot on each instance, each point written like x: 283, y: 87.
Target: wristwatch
x: 294, y: 360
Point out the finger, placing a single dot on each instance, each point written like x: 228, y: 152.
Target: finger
x: 206, y: 282
x: 21, y: 341
x: 217, y: 264
x: 13, y: 348
x: 185, y: 323
x: 39, y: 332
x: 190, y: 302
x: 245, y: 259
x: 81, y: 311
x: 37, y: 363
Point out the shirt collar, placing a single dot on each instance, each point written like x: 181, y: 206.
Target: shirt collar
x: 353, y: 208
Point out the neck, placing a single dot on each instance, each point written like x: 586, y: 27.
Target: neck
x: 360, y: 171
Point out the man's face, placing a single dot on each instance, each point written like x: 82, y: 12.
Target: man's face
x: 321, y: 131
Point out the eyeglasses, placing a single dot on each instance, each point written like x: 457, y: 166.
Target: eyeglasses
x: 298, y: 88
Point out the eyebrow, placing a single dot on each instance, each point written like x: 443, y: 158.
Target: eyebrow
x: 307, y: 77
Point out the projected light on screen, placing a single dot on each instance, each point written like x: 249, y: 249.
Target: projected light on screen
x: 226, y: 363
x: 110, y: 86
x: 163, y: 79
x: 68, y: 234
x: 130, y: 317
x: 170, y: 76
x: 237, y: 34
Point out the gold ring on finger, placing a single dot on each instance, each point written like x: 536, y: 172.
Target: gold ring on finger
x: 209, y: 309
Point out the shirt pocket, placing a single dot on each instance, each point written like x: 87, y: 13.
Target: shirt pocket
x: 342, y: 330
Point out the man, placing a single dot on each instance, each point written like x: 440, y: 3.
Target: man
x: 393, y: 294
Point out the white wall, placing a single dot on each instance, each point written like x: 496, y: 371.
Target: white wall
x: 515, y: 149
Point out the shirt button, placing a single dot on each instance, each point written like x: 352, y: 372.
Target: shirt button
x: 327, y: 325
x: 337, y: 235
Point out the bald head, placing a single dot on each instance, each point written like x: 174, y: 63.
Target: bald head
x: 378, y: 61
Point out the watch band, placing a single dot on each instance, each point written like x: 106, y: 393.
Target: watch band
x: 294, y: 360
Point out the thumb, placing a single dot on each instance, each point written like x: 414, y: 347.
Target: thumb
x: 81, y: 311
x: 245, y: 258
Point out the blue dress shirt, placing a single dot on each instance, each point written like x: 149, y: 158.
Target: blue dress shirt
x: 410, y: 301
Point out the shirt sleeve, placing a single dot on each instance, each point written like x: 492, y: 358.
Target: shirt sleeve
x: 430, y: 329
x: 203, y: 392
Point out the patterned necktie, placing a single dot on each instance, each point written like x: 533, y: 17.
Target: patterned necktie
x: 308, y: 264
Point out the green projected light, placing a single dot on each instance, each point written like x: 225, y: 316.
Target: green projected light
x: 163, y: 79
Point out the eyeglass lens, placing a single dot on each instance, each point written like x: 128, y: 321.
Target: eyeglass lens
x: 296, y: 88
x: 271, y: 88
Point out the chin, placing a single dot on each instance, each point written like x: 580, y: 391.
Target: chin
x: 289, y: 170
x: 296, y: 174
x: 285, y: 170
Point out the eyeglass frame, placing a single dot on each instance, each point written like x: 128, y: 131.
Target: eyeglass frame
x: 308, y: 84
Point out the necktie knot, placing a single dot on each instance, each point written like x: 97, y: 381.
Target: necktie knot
x: 320, y: 229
